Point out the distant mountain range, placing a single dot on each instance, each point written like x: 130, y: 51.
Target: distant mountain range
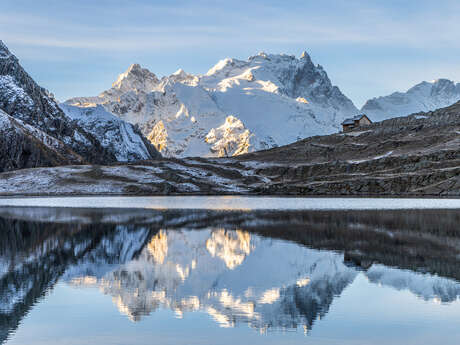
x: 236, y: 107
x: 244, y: 106
x: 426, y: 96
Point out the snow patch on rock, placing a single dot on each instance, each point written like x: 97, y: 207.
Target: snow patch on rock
x: 13, y: 92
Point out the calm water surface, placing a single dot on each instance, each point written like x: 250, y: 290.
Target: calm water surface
x: 229, y: 275
x: 236, y: 203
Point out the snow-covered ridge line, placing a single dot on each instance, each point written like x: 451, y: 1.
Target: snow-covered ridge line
x: 278, y: 99
x: 116, y: 135
x: 425, y: 96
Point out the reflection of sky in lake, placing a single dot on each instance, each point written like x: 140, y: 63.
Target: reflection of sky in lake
x: 129, y: 283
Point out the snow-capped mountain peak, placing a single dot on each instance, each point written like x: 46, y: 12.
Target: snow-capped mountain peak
x: 445, y: 86
x: 23, y: 99
x: 425, y: 96
x: 180, y: 76
x: 285, y: 74
x: 136, y: 79
x: 4, y: 52
x: 273, y: 99
x: 304, y: 55
x: 61, y: 137
x: 180, y: 71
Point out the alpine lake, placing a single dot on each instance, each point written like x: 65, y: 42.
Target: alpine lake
x: 229, y: 270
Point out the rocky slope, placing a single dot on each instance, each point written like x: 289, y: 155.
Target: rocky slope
x: 413, y: 155
x: 426, y: 96
x: 417, y: 154
x: 24, y: 146
x: 237, y: 107
x: 24, y: 100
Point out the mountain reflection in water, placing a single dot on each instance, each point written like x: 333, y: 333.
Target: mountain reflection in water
x: 270, y: 270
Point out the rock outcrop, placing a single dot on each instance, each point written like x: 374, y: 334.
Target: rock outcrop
x: 23, y: 146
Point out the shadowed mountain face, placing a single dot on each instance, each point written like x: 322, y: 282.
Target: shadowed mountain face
x: 273, y: 270
x: 22, y: 98
x: 23, y: 146
x: 46, y: 136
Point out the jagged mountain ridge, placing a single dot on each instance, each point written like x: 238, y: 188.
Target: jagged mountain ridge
x: 425, y: 96
x: 22, y: 98
x: 272, y: 100
x: 35, y: 108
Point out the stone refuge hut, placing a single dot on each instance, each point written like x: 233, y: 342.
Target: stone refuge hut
x: 354, y: 122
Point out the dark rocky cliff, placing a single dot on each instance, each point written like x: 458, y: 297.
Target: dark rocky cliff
x: 22, y: 98
x: 23, y: 146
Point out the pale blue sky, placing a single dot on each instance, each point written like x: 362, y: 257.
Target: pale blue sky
x: 369, y: 48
